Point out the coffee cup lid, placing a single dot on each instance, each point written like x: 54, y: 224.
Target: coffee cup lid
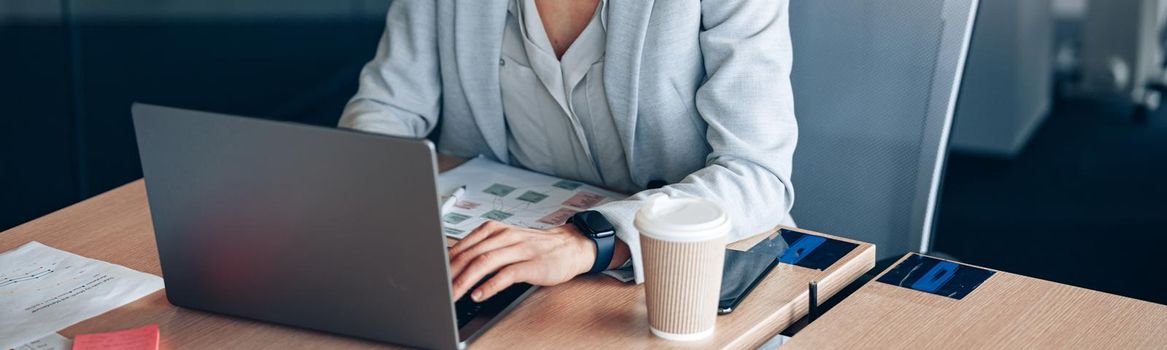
x: 681, y: 219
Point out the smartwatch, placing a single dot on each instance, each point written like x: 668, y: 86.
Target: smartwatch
x: 593, y: 225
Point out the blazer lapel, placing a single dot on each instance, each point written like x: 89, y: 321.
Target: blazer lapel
x: 478, y: 31
x: 627, y: 24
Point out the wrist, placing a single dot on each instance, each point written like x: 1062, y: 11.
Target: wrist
x: 620, y: 255
x: 583, y: 247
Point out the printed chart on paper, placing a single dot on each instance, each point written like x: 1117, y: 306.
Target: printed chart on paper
x: 515, y: 196
x: 43, y: 289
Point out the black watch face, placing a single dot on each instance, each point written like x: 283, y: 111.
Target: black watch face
x: 593, y: 223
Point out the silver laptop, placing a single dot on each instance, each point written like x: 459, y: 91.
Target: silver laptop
x: 321, y: 228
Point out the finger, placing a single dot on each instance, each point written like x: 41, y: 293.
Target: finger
x: 485, y: 264
x: 498, y: 240
x: 508, y: 276
x: 479, y: 233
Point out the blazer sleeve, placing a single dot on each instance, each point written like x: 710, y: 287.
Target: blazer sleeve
x: 748, y: 105
x: 400, y: 89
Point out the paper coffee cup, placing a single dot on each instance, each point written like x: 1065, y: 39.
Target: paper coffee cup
x: 682, y: 245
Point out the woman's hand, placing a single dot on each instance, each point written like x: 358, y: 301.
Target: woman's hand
x: 541, y: 257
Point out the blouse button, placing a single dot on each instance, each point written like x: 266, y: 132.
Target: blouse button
x: 502, y: 62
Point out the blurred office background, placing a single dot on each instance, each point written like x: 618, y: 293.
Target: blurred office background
x: 1057, y: 167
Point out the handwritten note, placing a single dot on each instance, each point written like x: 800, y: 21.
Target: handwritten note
x: 143, y: 338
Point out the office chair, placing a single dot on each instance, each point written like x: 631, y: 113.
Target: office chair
x: 875, y: 85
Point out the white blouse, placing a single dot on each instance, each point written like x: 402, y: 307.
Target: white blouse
x: 556, y: 111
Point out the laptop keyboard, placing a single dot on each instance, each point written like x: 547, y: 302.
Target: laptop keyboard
x: 468, y: 310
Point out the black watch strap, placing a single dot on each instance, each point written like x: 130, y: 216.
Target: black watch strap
x: 593, y: 225
x: 605, y: 248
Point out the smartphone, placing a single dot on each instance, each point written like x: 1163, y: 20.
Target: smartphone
x: 742, y: 272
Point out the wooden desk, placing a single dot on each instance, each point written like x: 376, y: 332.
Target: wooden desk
x: 592, y: 311
x: 1006, y: 311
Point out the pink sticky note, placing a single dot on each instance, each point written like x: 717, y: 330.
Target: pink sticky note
x: 143, y: 338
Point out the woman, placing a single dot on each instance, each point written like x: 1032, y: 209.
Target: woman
x: 625, y: 94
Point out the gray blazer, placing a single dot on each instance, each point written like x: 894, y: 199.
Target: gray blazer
x: 700, y: 92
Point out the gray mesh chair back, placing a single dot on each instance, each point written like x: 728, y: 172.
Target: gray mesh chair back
x: 875, y: 83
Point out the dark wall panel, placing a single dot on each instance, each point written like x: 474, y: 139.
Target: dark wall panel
x: 36, y: 127
x: 297, y: 71
x: 57, y: 150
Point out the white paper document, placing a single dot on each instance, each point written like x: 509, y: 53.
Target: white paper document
x: 515, y: 196
x: 43, y: 289
x: 52, y: 341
